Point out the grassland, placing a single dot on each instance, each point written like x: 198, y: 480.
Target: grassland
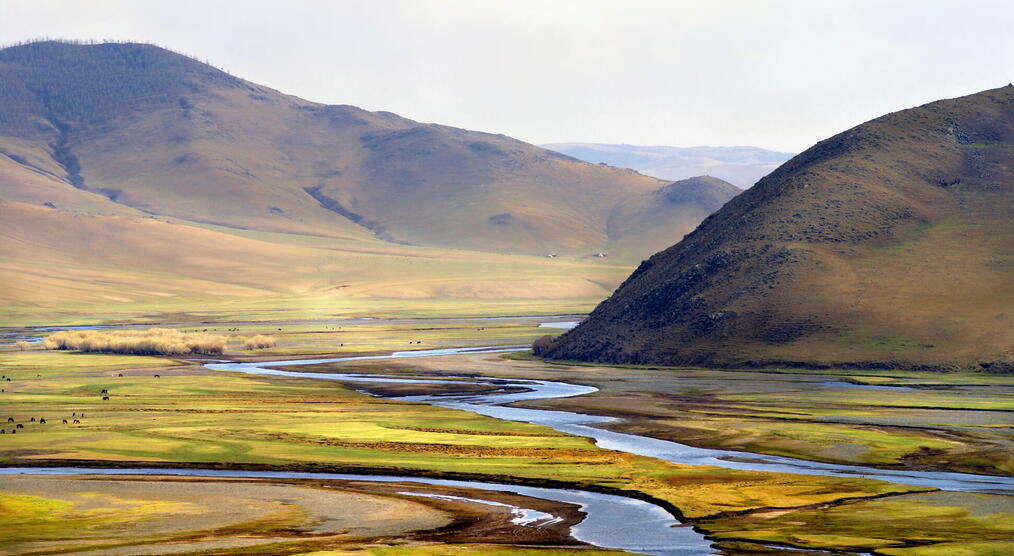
x: 60, y: 514
x: 61, y: 267
x: 917, y: 524
x: 813, y: 415
x: 194, y: 417
x: 957, y: 421
x: 470, y: 549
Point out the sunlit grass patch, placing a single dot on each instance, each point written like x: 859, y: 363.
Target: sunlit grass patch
x: 194, y: 417
x: 888, y: 525
x: 34, y: 519
x: 28, y: 364
x: 470, y: 549
x: 970, y: 548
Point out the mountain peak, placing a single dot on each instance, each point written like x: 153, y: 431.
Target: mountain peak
x: 887, y: 245
x: 706, y: 191
x: 69, y: 81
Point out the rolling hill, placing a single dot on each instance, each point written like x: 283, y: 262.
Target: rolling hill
x: 742, y: 166
x: 97, y: 138
x: 163, y: 134
x: 888, y: 245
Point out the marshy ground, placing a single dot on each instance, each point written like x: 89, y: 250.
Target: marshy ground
x: 196, y: 417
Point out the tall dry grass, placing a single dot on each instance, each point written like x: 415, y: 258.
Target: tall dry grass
x: 154, y: 341
x: 259, y: 341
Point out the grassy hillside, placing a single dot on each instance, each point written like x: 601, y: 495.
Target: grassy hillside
x: 155, y: 131
x: 135, y: 179
x: 891, y: 244
x: 645, y: 219
x: 57, y: 265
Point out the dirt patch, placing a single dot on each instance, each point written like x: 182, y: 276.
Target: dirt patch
x: 162, y: 515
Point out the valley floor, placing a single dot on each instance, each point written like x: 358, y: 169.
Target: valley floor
x: 191, y: 416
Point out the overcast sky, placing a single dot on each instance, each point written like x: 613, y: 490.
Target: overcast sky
x: 775, y: 74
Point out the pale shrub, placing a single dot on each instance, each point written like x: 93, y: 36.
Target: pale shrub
x: 259, y: 341
x: 154, y: 341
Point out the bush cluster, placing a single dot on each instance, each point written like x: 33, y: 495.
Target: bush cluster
x: 259, y: 341
x: 154, y: 341
x: 542, y: 344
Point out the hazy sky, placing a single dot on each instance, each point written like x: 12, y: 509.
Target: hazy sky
x: 776, y: 74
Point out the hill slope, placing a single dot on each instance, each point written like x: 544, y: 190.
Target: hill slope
x: 742, y: 166
x: 650, y: 218
x: 136, y: 129
x: 891, y: 244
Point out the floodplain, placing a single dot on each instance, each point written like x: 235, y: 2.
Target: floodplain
x: 190, y: 416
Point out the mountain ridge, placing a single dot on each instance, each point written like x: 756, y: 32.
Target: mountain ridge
x: 740, y: 165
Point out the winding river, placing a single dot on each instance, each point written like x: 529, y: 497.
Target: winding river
x: 493, y: 405
x: 647, y: 528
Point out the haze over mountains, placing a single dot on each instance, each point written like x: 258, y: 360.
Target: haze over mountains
x: 888, y: 245
x: 133, y: 131
x: 741, y: 166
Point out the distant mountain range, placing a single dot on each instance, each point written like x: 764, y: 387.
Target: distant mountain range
x: 741, y: 166
x: 890, y: 245
x: 100, y: 137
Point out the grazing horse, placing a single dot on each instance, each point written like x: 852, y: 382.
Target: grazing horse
x: 158, y: 376
x: 104, y: 391
x: 32, y: 419
x: 104, y: 398
x: 10, y: 419
x: 20, y: 426
x: 3, y: 431
x: 42, y: 421
x: 64, y: 421
x: 76, y: 421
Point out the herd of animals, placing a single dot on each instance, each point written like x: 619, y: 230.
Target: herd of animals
x: 75, y: 418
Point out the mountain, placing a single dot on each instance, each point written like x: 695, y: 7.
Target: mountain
x: 742, y: 166
x: 133, y: 129
x: 648, y: 218
x: 888, y: 245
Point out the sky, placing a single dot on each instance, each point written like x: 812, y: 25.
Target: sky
x: 778, y: 74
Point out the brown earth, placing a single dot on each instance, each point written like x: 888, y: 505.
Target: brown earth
x: 888, y: 245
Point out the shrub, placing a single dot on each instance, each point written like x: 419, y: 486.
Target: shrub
x: 22, y: 345
x: 259, y: 341
x: 154, y: 341
x: 542, y: 344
